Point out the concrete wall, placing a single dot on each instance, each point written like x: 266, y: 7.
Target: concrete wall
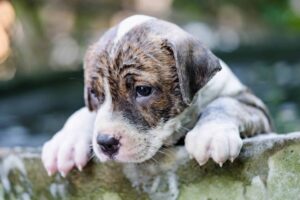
x: 268, y: 168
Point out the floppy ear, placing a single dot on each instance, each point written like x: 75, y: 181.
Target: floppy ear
x: 196, y: 65
x: 88, y: 63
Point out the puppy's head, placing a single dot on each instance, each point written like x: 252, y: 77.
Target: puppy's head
x: 138, y: 77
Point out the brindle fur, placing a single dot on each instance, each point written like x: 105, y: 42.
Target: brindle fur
x: 144, y: 57
x: 136, y: 60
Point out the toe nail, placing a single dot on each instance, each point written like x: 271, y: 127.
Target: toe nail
x: 79, y: 167
x: 202, y: 163
x: 220, y: 164
x: 232, y: 159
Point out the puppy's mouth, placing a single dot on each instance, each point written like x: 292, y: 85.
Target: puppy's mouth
x: 125, y: 152
x: 136, y: 153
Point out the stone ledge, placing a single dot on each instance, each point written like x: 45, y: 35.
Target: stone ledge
x: 267, y: 168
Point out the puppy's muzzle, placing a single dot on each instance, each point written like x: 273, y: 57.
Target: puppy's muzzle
x: 109, y: 145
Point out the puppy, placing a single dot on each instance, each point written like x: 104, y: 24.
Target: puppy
x: 148, y: 84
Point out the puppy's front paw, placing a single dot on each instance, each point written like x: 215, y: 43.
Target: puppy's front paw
x: 219, y: 141
x: 65, y: 151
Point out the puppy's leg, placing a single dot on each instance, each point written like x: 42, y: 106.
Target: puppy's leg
x: 71, y: 145
x: 218, y: 132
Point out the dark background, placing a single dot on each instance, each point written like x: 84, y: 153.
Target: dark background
x: 41, y: 80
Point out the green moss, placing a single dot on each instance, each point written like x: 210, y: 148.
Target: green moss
x: 96, y: 180
x: 284, y: 174
x: 256, y: 191
x: 111, y: 196
x: 265, y: 170
x: 213, y: 188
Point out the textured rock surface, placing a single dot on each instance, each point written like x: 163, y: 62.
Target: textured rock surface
x: 268, y: 168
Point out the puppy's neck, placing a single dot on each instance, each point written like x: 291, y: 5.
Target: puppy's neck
x: 186, y: 120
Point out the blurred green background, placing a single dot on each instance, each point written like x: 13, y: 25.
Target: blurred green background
x: 41, y: 80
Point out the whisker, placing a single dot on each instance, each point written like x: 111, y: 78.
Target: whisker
x: 155, y: 161
x: 168, y: 154
x: 161, y: 151
x: 93, y: 155
x: 171, y: 156
x: 168, y: 150
x: 184, y: 128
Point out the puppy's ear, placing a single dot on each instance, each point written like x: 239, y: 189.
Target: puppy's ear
x: 196, y: 65
x: 88, y: 63
x: 91, y: 62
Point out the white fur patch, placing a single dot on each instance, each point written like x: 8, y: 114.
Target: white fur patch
x: 228, y: 81
x: 216, y: 140
x: 105, y: 111
x: 129, y: 23
x: 103, y: 120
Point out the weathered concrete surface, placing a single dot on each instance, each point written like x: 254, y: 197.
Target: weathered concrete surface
x: 268, y: 168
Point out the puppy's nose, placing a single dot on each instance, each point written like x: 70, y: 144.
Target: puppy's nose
x: 109, y: 145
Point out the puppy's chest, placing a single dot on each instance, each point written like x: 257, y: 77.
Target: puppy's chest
x: 184, y: 122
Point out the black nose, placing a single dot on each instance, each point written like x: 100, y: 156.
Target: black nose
x: 109, y: 145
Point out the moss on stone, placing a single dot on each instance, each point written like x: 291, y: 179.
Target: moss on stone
x: 213, y: 188
x: 267, y: 169
x: 284, y: 174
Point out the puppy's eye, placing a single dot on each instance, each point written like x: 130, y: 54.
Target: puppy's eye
x: 143, y: 91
